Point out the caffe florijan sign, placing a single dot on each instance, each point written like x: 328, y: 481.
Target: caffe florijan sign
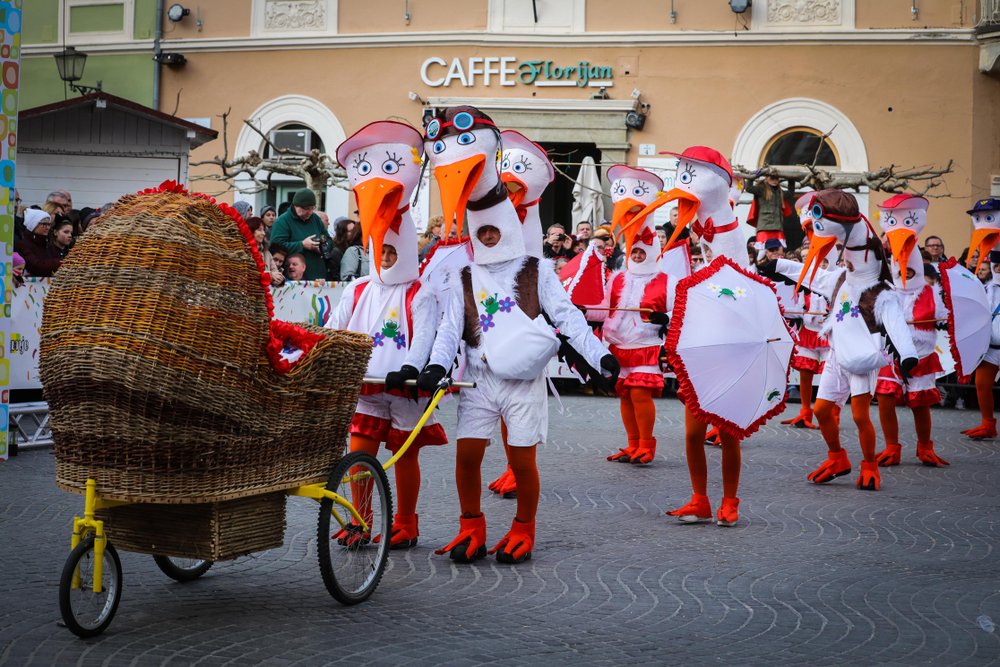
x: 510, y: 71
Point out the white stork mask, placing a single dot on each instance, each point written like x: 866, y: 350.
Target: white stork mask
x: 382, y: 161
x: 836, y: 219
x: 462, y: 145
x: 986, y: 229
x: 526, y: 171
x: 903, y: 218
x: 635, y: 195
x: 702, y: 191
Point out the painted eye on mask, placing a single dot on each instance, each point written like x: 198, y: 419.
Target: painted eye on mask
x: 466, y: 138
x: 620, y: 190
x: 364, y: 167
x: 505, y: 165
x: 390, y: 166
x: 520, y: 167
x: 638, y: 191
x: 439, y: 146
x: 818, y: 226
x: 990, y: 218
x: 909, y: 222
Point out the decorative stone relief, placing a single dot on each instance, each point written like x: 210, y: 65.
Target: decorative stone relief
x: 804, y: 12
x: 288, y: 15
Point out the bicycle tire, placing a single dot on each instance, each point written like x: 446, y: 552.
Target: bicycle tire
x: 71, y: 600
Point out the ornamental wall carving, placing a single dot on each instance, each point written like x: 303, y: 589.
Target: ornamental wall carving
x: 289, y: 15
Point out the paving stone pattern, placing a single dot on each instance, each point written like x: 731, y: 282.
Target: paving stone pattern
x: 812, y: 574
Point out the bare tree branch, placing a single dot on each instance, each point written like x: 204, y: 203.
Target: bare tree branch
x: 914, y: 180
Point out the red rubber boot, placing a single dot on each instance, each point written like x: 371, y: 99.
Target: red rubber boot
x: 836, y: 465
x: 470, y: 543
x: 890, y: 456
x: 927, y: 455
x: 646, y: 452
x: 515, y: 547
x: 728, y: 513
x: 698, y: 510
x: 625, y: 455
x: 869, y: 479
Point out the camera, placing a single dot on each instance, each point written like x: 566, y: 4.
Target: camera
x: 561, y: 237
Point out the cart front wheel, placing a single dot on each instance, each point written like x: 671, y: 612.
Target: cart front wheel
x: 182, y: 569
x: 85, y: 612
x: 352, y: 559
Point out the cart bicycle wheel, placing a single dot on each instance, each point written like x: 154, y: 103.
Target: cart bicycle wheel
x: 182, y: 569
x: 85, y: 612
x: 352, y: 560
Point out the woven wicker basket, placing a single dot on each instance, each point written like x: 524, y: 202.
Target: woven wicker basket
x: 162, y: 365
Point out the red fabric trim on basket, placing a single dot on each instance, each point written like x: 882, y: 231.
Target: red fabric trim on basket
x: 431, y: 435
x: 643, y: 380
x: 371, y: 427
x: 946, y: 297
x: 685, y: 388
x: 282, y: 332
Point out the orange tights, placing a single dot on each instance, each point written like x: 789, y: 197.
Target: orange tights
x: 407, y: 472
x: 469, y: 461
x: 806, y: 390
x: 890, y: 424
x: 694, y: 440
x: 984, y: 388
x: 638, y: 412
x: 860, y: 411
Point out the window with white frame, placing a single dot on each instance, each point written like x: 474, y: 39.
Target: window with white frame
x: 803, y: 14
x: 302, y: 18
x: 90, y: 21
x: 544, y: 16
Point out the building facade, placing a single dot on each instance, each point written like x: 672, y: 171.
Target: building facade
x: 890, y: 82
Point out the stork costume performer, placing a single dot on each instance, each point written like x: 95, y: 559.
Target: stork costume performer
x: 526, y: 171
x: 703, y: 182
x: 902, y: 218
x: 811, y: 347
x: 496, y: 307
x: 383, y: 162
x: 986, y: 238
x: 864, y: 305
x: 636, y: 337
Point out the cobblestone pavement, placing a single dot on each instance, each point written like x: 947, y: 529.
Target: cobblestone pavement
x: 812, y: 574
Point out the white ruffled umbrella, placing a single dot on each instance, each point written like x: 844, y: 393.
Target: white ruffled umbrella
x: 730, y: 347
x: 970, y: 319
x: 588, y: 205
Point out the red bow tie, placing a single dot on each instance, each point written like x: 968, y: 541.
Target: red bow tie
x: 646, y: 236
x: 522, y: 210
x: 708, y: 231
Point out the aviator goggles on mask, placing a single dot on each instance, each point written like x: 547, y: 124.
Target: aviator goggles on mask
x: 462, y: 121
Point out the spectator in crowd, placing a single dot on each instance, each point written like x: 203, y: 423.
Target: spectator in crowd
x: 39, y: 258
x: 671, y: 225
x: 58, y: 202
x: 17, y: 269
x: 773, y: 249
x: 430, y: 238
x: 554, y: 237
x: 567, y: 246
x: 697, y: 257
x: 268, y: 214
x: 283, y: 207
x: 661, y: 233
x: 584, y: 230
x: 295, y: 266
x: 87, y: 216
x: 965, y: 258
x: 985, y: 273
x: 278, y: 255
x: 931, y: 275
x: 355, y: 261
x: 579, y: 246
x: 256, y: 226
x: 61, y: 237
x: 302, y: 231
x: 935, y: 249
x: 325, y: 217
x: 244, y: 208
x: 559, y: 264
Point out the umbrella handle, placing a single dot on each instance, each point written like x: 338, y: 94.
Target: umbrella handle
x: 940, y: 319
x: 626, y: 310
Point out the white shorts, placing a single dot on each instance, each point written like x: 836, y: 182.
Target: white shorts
x: 992, y: 356
x: 837, y: 385
x: 522, y: 404
x: 401, y: 413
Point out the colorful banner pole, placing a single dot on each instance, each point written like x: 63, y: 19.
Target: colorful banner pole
x: 10, y: 75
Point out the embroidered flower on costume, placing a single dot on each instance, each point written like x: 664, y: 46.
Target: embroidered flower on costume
x: 715, y: 288
x: 486, y: 321
x: 393, y: 314
x: 482, y: 295
x: 840, y: 317
x: 400, y: 340
x: 378, y: 340
x: 856, y: 311
x: 506, y: 304
x: 739, y: 292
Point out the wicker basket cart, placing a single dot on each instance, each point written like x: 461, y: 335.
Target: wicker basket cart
x: 186, y: 414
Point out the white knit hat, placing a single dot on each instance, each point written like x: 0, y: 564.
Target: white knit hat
x: 34, y: 217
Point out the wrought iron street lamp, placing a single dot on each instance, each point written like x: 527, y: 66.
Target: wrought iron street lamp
x: 70, y: 64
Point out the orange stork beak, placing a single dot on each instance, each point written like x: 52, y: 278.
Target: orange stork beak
x: 456, y: 182
x: 901, y: 244
x: 819, y: 246
x: 378, y: 205
x: 516, y: 189
x: 687, y: 208
x: 984, y: 239
x: 630, y: 220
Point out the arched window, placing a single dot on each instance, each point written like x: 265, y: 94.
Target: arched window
x: 800, y: 145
